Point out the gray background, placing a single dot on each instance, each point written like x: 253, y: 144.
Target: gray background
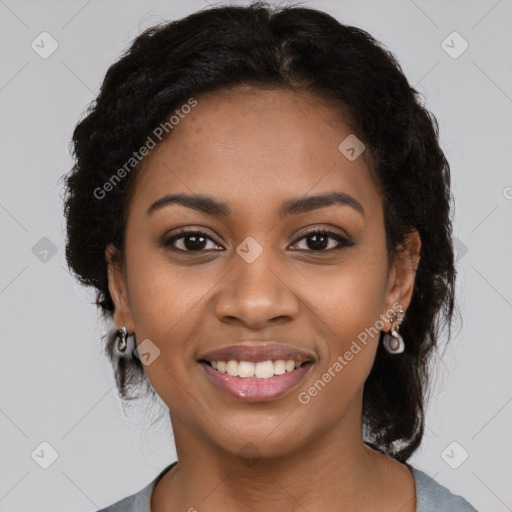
x: 56, y: 386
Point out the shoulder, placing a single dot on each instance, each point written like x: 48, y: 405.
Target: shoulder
x: 140, y: 501
x: 432, y: 496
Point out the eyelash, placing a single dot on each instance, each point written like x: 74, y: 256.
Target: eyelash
x: 184, y: 232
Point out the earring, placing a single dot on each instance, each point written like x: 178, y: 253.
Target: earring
x: 124, y: 343
x: 392, y: 341
x: 121, y: 340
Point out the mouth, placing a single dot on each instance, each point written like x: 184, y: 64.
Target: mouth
x: 256, y: 373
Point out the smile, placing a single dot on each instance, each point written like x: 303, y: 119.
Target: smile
x: 256, y: 382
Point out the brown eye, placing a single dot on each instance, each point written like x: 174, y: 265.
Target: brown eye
x: 190, y: 241
x: 323, y: 241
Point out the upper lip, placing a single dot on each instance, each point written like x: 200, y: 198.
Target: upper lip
x: 257, y: 352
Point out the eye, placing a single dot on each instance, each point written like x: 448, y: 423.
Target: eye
x: 319, y: 240
x: 188, y: 240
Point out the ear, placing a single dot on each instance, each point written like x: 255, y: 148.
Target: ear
x: 118, y: 290
x: 403, y: 273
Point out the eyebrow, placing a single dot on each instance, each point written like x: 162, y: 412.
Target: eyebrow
x: 212, y: 206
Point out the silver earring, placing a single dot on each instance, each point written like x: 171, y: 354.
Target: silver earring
x: 121, y: 340
x: 124, y: 343
x: 392, y: 341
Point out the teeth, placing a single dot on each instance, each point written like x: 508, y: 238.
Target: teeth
x: 261, y: 370
x: 289, y: 366
x: 279, y: 367
x: 264, y: 370
x: 232, y: 368
x: 246, y: 369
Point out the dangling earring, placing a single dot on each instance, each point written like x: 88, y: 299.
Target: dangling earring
x: 121, y: 340
x: 124, y: 343
x: 392, y: 341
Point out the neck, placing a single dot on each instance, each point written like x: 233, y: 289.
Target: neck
x: 332, y: 472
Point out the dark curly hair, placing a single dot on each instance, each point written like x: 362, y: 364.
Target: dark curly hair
x: 299, y: 49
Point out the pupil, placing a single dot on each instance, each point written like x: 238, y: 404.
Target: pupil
x: 197, y: 242
x: 319, y: 242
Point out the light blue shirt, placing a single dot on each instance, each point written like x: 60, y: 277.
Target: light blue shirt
x: 430, y: 496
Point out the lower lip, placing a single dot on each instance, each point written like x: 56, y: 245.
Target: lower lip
x: 256, y: 390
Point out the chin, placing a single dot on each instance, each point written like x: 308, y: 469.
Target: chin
x: 257, y: 442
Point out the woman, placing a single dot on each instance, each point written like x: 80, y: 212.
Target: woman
x: 262, y: 204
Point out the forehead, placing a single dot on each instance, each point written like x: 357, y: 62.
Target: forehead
x: 248, y: 145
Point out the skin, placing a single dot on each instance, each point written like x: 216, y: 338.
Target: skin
x: 254, y: 150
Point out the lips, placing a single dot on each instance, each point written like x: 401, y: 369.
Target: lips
x: 257, y: 389
x: 257, y: 353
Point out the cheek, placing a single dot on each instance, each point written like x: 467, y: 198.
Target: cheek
x: 163, y: 299
x: 347, y: 306
x: 350, y: 299
x: 166, y: 309
x: 161, y: 294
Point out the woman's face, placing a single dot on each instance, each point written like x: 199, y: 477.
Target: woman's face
x: 257, y: 273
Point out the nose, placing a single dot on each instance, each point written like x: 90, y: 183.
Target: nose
x: 256, y: 295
